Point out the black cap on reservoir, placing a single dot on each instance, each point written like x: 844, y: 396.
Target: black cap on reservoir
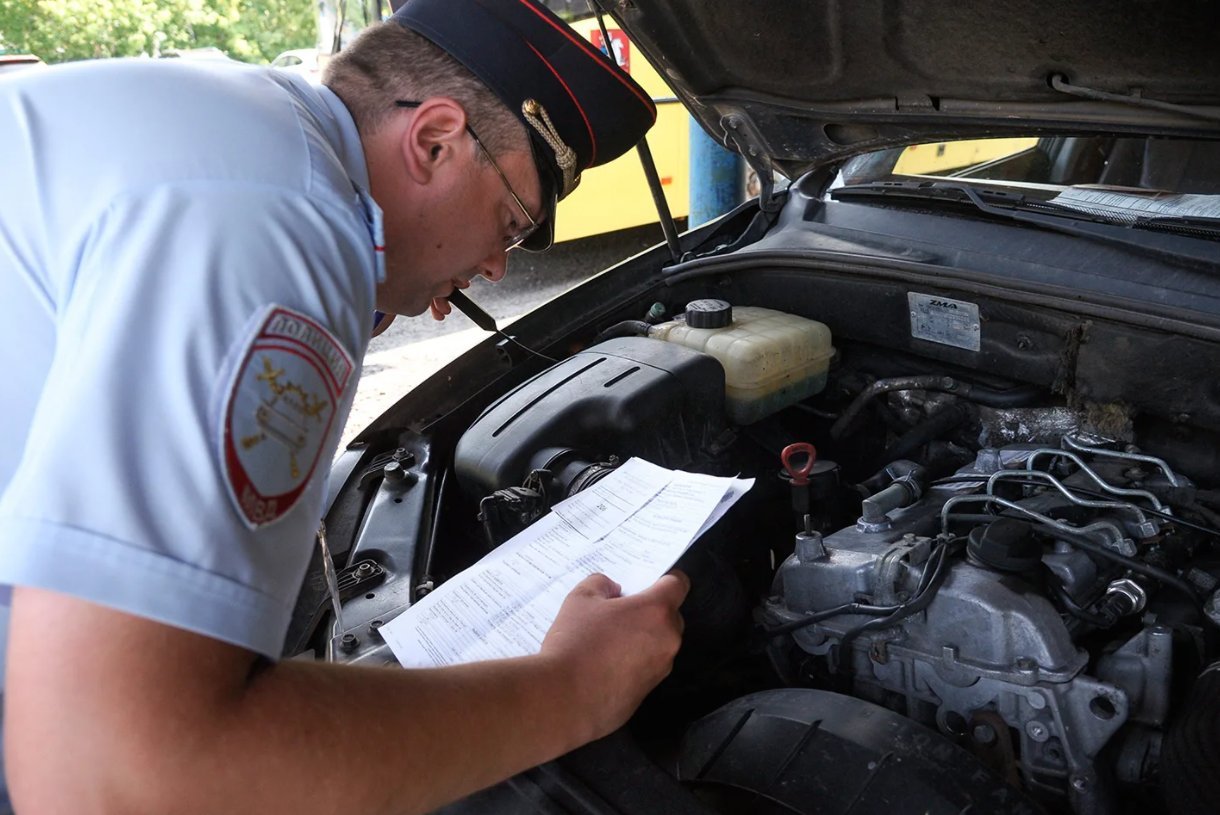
x: 579, y: 108
x: 709, y: 314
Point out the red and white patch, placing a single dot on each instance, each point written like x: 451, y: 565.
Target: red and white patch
x: 279, y: 412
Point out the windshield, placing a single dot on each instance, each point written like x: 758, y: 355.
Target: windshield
x: 1136, y: 177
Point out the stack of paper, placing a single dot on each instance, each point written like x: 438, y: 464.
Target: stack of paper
x: 632, y: 526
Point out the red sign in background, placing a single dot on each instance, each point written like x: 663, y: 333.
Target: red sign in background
x: 619, y: 45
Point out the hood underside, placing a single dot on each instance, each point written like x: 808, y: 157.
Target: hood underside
x: 795, y: 84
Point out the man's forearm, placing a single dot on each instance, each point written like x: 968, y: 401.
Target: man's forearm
x: 300, y: 738
x: 122, y: 714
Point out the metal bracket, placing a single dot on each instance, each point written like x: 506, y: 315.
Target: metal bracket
x: 355, y: 579
x: 403, y: 458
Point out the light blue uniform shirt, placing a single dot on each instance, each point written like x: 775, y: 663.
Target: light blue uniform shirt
x: 188, y: 260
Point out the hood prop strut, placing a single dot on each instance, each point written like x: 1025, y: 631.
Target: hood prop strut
x: 650, y: 168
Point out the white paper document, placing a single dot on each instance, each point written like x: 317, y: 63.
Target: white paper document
x: 632, y: 526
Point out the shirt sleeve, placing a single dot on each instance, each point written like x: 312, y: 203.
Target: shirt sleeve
x: 206, y: 357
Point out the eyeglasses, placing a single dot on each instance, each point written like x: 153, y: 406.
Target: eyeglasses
x: 521, y: 236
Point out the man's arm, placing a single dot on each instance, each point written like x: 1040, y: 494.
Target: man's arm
x: 107, y: 712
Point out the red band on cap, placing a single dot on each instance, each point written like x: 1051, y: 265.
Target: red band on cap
x: 575, y: 101
x: 599, y: 57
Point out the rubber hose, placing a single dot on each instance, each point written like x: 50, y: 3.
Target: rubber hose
x: 1019, y: 396
x: 627, y: 328
x: 929, y: 429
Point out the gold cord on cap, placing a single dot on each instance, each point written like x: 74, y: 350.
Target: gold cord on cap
x: 565, y: 156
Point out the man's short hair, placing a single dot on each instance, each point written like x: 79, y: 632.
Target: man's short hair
x: 388, y: 62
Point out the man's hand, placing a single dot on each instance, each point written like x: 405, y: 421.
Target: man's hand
x: 617, y: 648
x: 441, y: 307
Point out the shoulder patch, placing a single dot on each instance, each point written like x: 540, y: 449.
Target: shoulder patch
x: 279, y: 411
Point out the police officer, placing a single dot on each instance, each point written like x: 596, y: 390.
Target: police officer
x: 190, y: 258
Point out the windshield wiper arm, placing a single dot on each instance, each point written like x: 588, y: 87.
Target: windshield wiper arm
x: 1026, y: 205
x: 993, y: 202
x: 1009, y: 205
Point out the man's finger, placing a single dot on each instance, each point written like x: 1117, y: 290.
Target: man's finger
x: 682, y: 576
x: 672, y: 588
x: 439, y: 307
x: 598, y: 585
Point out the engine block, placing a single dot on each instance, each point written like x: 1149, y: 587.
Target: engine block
x: 988, y: 661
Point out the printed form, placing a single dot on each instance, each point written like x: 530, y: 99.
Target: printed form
x: 632, y: 526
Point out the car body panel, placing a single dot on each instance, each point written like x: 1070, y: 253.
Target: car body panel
x: 815, y: 82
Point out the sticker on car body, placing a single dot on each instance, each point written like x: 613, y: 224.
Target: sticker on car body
x: 279, y: 413
x: 945, y: 321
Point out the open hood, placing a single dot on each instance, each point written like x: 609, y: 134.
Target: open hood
x: 794, y: 84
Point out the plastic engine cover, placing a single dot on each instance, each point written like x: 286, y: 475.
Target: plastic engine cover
x: 631, y: 396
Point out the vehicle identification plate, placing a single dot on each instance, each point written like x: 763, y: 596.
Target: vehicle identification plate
x: 948, y: 322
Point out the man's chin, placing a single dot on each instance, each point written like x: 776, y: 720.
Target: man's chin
x: 408, y: 309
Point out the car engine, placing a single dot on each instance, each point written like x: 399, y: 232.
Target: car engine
x: 962, y: 592
x: 970, y: 605
x: 1009, y: 577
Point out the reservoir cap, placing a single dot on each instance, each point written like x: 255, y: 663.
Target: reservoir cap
x: 708, y: 314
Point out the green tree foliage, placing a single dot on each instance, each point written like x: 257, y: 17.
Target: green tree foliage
x: 248, y: 30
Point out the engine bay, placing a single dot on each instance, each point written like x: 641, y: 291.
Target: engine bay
x: 1017, y: 575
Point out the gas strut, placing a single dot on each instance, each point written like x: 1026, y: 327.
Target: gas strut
x: 650, y: 167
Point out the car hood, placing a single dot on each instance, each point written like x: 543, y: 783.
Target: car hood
x: 794, y: 85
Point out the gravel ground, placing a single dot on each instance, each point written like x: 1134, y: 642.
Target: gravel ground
x: 411, y: 350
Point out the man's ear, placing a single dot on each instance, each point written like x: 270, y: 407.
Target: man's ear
x: 434, y: 138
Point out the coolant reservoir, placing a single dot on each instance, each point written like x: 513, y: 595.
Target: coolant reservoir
x: 771, y: 359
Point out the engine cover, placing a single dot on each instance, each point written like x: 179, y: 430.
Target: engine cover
x: 631, y: 396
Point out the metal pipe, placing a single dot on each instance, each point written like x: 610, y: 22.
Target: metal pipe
x: 1098, y: 480
x: 1080, y: 447
x: 1039, y: 475
x: 1118, y: 542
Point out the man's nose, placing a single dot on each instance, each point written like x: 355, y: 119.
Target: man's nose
x: 494, y: 267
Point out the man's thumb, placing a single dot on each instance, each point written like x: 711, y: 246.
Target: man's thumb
x: 598, y: 585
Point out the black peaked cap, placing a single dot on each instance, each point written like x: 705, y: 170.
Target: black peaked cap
x: 579, y: 108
